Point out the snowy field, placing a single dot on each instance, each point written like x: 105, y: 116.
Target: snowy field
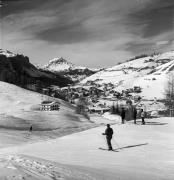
x: 146, y: 152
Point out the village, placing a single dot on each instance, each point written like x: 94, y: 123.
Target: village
x: 93, y: 98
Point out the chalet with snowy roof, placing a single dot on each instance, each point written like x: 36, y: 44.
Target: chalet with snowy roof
x: 50, y: 106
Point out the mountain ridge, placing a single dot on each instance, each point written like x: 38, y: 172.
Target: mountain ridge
x: 17, y: 69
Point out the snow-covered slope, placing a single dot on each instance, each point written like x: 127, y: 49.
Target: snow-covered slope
x: 20, y: 108
x: 62, y: 66
x: 155, y: 83
x: 15, y: 99
x: 129, y: 74
x: 146, y: 152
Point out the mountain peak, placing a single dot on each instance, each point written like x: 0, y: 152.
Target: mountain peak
x: 60, y: 60
x: 58, y: 64
x: 66, y: 68
x: 7, y: 53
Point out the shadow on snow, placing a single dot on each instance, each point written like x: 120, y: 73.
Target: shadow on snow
x: 130, y: 146
x: 155, y: 123
x: 152, y: 123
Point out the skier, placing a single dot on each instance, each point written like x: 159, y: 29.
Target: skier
x: 108, y: 133
x: 31, y: 128
x: 135, y: 115
x: 142, y: 116
x: 123, y: 113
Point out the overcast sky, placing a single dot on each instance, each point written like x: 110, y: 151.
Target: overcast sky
x: 94, y: 33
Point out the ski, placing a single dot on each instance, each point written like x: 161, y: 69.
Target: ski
x: 105, y: 149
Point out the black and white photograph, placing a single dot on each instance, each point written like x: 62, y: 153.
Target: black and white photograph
x: 86, y: 89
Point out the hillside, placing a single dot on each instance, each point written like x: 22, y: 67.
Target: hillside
x: 17, y: 69
x: 155, y: 83
x: 69, y: 70
x: 131, y: 73
x: 20, y: 108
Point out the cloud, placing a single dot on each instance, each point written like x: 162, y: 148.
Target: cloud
x: 79, y: 21
x: 54, y: 21
x: 12, y: 7
x: 155, y: 18
x: 72, y: 22
x: 159, y: 43
x: 84, y: 21
x: 140, y: 47
x: 87, y: 31
x: 18, y: 6
x: 65, y: 34
x: 152, y: 24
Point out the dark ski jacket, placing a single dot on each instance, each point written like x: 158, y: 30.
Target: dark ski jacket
x: 135, y: 113
x: 123, y: 113
x: 108, y: 132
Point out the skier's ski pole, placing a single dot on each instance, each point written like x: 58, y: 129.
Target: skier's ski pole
x: 105, y: 140
x: 116, y: 144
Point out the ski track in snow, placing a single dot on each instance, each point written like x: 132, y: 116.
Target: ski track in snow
x: 25, y: 167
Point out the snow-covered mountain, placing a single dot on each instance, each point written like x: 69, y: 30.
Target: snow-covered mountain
x: 7, y: 53
x: 59, y: 65
x: 62, y: 66
x: 150, y: 73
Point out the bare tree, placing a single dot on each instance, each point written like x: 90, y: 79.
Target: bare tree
x: 81, y: 107
x: 169, y: 92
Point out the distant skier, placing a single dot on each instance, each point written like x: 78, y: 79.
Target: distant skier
x: 108, y: 132
x: 135, y: 115
x: 123, y: 113
x: 31, y: 128
x: 142, y: 116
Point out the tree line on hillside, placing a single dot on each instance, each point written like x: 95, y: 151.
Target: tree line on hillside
x: 169, y: 93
